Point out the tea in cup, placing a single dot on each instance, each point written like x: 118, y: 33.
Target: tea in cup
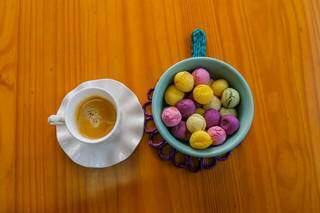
x: 91, y: 115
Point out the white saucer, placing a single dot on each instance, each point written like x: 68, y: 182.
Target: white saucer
x: 106, y: 153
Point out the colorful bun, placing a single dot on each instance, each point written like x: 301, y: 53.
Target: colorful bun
x: 187, y: 107
x: 217, y: 134
x: 230, y: 124
x: 184, y: 81
x: 226, y: 111
x: 219, y: 86
x: 202, y: 94
x: 200, y: 111
x: 173, y: 95
x: 201, y: 76
x: 200, y: 140
x: 215, y: 103
x: 196, y: 122
x: 180, y: 131
x: 171, y: 116
x: 212, y: 118
x: 230, y: 98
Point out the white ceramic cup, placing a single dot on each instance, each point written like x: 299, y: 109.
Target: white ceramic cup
x: 69, y: 116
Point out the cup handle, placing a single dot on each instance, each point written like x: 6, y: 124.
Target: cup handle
x: 56, y: 119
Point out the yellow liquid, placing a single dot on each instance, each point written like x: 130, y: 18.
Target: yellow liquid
x: 96, y: 117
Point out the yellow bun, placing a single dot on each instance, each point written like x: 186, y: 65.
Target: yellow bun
x: 196, y: 122
x: 200, y: 111
x: 200, y: 140
x: 173, y: 95
x: 184, y: 81
x: 219, y: 86
x: 202, y: 94
x: 226, y: 111
x: 213, y: 104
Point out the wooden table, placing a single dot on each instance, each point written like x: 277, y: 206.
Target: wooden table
x: 49, y: 47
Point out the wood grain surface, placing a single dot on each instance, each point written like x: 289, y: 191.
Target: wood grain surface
x: 49, y: 47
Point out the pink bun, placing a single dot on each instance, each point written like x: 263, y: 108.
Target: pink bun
x: 201, y: 76
x: 171, y: 116
x: 217, y: 134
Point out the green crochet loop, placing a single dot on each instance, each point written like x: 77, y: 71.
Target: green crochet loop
x: 199, y: 43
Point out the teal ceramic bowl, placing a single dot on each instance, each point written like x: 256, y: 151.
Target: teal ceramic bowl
x: 217, y: 69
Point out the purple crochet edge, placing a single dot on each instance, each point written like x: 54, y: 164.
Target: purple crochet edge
x: 146, y: 129
x: 182, y: 164
x: 150, y: 94
x: 164, y: 156
x: 144, y: 107
x: 190, y: 163
x: 151, y: 141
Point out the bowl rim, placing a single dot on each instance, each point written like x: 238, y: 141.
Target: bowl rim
x: 178, y: 145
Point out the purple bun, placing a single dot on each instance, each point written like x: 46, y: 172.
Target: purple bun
x: 180, y: 131
x: 201, y: 76
x: 230, y: 124
x: 171, y: 116
x: 186, y: 107
x: 212, y: 117
x: 190, y: 96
